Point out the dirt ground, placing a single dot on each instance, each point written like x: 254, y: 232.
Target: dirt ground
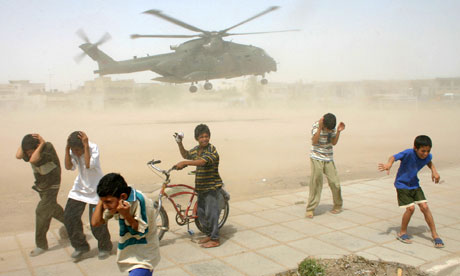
x: 352, y: 265
x: 263, y: 149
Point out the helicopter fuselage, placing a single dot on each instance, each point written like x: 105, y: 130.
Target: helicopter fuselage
x: 188, y: 64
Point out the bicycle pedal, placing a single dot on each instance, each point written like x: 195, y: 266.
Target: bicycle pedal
x: 190, y: 232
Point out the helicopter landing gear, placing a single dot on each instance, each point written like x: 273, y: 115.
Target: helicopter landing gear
x: 264, y: 81
x: 207, y: 86
x: 192, y: 88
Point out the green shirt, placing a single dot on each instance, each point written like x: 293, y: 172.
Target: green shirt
x: 207, y: 177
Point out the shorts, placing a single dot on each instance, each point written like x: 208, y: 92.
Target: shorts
x: 140, y: 272
x: 407, y: 198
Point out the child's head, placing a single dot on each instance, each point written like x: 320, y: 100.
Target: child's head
x: 422, y: 146
x: 28, y: 145
x: 329, y: 121
x: 111, y: 189
x: 202, y: 135
x: 75, y: 143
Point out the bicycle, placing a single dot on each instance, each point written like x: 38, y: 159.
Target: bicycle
x: 183, y: 216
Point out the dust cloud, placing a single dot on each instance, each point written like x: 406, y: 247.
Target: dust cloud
x: 263, y: 140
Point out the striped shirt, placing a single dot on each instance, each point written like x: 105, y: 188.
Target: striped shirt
x: 207, y: 177
x: 322, y: 151
x: 137, y: 248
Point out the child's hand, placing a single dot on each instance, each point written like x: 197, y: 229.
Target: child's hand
x: 180, y: 165
x: 39, y: 138
x: 178, y: 136
x: 123, y: 208
x: 341, y: 127
x: 435, y: 177
x: 384, y: 167
x: 83, y: 138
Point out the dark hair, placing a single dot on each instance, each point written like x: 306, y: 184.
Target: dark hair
x: 74, y: 141
x: 112, y: 184
x: 200, y: 129
x: 329, y: 121
x: 422, y: 141
x: 29, y: 143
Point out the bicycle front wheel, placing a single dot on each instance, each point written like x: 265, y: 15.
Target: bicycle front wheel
x: 162, y: 222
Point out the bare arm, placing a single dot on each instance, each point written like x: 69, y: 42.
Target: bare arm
x: 434, y: 173
x: 87, y: 153
x: 340, y: 128
x: 35, y: 157
x: 20, y: 153
x: 183, y: 151
x: 315, y: 138
x: 185, y: 163
x: 67, y: 159
x: 387, y: 166
x: 96, y: 219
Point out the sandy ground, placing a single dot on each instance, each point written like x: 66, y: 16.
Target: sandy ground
x: 262, y: 149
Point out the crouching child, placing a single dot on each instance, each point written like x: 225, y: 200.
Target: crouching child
x: 138, y: 247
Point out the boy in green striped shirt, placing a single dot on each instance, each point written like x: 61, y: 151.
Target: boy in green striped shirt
x: 208, y: 183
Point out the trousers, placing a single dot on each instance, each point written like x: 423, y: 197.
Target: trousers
x: 208, y: 211
x: 47, y: 208
x: 72, y: 220
x: 318, y: 168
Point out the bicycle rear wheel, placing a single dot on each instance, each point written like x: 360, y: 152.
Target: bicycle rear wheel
x: 225, y: 209
x: 162, y: 222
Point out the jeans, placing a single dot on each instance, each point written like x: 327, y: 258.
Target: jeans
x: 72, y: 217
x: 140, y: 272
x: 209, y: 211
x: 47, y: 209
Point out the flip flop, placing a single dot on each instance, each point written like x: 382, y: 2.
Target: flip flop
x: 404, y: 239
x: 335, y: 211
x: 211, y: 244
x: 438, y: 243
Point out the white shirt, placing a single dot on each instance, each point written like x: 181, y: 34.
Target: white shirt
x: 85, y: 185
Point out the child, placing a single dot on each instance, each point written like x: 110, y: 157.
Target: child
x: 324, y: 136
x: 407, y: 185
x: 138, y: 247
x: 83, y: 154
x: 47, y: 172
x: 208, y: 183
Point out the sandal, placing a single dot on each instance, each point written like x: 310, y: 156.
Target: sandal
x: 404, y: 238
x: 211, y: 243
x: 438, y: 243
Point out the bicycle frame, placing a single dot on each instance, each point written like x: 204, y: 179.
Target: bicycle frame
x: 185, y: 217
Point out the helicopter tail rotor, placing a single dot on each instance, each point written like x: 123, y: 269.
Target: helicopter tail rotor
x: 88, y: 47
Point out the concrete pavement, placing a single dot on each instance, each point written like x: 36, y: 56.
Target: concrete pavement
x: 267, y: 235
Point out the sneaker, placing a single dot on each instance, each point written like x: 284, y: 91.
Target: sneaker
x: 77, y: 254
x: 103, y: 254
x: 37, y: 251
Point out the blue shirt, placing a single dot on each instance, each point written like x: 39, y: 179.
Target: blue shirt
x: 410, y: 165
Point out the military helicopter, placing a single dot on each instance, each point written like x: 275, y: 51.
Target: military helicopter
x: 205, y: 58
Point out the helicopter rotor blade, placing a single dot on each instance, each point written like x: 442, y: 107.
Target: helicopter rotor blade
x: 82, y: 35
x: 174, y: 21
x: 106, y: 37
x: 282, y: 31
x: 78, y: 58
x: 134, y: 36
x: 251, y: 18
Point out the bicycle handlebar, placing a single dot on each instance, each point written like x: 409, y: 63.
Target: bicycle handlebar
x: 152, y: 163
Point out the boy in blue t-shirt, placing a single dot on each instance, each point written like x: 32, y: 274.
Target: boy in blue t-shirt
x: 407, y: 185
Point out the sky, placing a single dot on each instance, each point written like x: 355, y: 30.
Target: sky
x: 338, y: 40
